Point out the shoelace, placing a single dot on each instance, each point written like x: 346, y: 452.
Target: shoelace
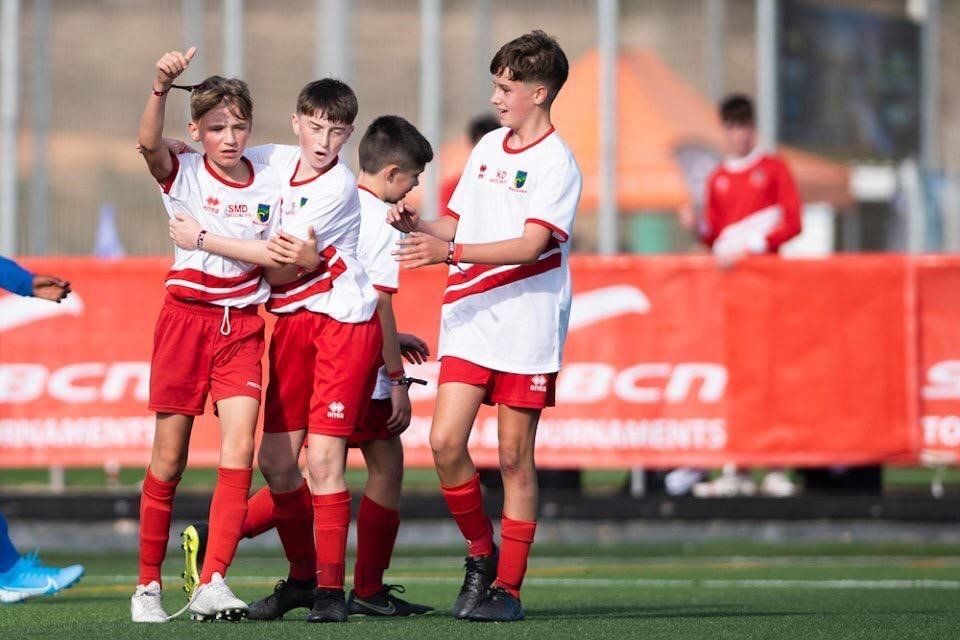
x: 218, y: 586
x: 156, y: 606
x: 399, y: 588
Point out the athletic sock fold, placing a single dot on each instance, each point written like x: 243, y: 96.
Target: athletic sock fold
x: 331, y: 521
x: 377, y: 528
x: 227, y: 512
x: 514, y: 552
x: 465, y: 503
x: 293, y: 514
x: 156, y: 504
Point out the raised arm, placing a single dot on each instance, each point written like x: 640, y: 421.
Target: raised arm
x: 150, y: 136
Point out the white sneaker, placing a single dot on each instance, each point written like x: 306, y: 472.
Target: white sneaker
x: 146, y: 604
x: 680, y: 481
x: 215, y: 601
x: 728, y: 484
x: 778, y: 484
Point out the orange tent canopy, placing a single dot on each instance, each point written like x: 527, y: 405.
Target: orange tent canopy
x: 657, y: 113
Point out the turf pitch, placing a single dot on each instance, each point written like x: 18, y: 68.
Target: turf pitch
x: 666, y: 591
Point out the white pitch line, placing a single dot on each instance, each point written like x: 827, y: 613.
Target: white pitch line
x: 625, y: 582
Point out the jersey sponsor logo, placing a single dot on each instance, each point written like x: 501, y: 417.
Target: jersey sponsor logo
x: 538, y: 383
x: 500, y: 177
x: 263, y: 212
x: 237, y: 209
x: 335, y: 410
x: 519, y: 180
x: 212, y: 205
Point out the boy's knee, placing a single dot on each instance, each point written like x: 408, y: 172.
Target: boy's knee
x: 515, y: 465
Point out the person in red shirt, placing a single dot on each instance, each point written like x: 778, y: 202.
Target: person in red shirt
x: 751, y: 207
x: 751, y: 204
x: 476, y: 129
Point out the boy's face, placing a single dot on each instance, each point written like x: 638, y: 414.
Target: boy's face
x: 223, y: 135
x: 320, y: 138
x: 515, y: 100
x: 739, y: 138
x: 399, y: 183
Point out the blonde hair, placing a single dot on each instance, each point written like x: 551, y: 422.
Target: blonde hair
x: 208, y: 95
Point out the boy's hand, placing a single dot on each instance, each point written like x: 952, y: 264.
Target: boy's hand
x: 401, y: 410
x: 50, y: 288
x: 413, y: 349
x: 184, y: 231
x: 171, y: 65
x: 420, y: 249
x: 288, y: 249
x: 403, y: 217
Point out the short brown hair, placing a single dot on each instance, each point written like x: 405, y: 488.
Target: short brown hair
x: 533, y: 57
x: 208, y: 95
x: 393, y: 140
x: 328, y: 97
x: 737, y: 109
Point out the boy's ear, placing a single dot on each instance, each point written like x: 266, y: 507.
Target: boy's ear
x: 194, y: 131
x: 390, y: 172
x: 295, y: 124
x: 540, y: 95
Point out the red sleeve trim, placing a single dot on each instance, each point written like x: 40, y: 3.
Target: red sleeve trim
x: 167, y: 184
x: 452, y: 214
x: 558, y: 233
x: 379, y: 287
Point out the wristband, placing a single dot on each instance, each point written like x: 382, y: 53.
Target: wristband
x: 451, y: 251
x: 395, y: 375
x: 161, y: 93
x: 457, y: 253
x: 202, y: 233
x: 406, y: 381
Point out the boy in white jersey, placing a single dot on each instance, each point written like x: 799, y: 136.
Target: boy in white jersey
x: 505, y: 311
x: 209, y: 338
x: 325, y: 350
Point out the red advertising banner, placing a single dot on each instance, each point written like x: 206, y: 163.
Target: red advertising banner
x: 669, y: 361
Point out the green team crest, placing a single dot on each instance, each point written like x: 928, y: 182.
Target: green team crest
x: 263, y: 212
x: 520, y: 179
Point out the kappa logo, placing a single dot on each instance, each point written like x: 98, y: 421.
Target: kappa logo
x: 335, y: 410
x: 538, y: 383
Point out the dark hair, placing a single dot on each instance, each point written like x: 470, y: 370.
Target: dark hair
x: 393, y: 140
x: 737, y: 109
x: 481, y: 126
x: 533, y: 57
x: 330, y: 98
x: 208, y: 95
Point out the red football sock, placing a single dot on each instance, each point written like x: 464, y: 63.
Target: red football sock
x: 465, y: 502
x: 331, y: 520
x: 293, y: 513
x: 376, y: 534
x: 156, y: 503
x: 227, y: 511
x: 259, y: 514
x: 517, y: 537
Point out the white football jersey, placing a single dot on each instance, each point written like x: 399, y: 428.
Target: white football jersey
x: 512, y: 318
x: 377, y: 241
x: 245, y: 211
x: 328, y: 203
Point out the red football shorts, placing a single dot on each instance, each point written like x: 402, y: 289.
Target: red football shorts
x: 373, y: 424
x: 192, y: 357
x: 522, y: 390
x: 322, y: 373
